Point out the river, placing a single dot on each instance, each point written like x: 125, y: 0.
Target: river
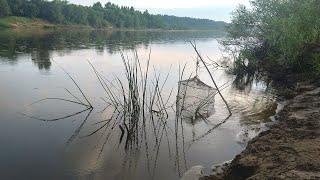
x: 32, y: 65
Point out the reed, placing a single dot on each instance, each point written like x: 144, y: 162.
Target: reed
x: 135, y: 101
x: 140, y: 109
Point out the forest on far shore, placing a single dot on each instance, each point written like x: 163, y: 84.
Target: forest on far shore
x: 101, y: 16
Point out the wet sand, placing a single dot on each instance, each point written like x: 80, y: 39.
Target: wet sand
x: 290, y: 149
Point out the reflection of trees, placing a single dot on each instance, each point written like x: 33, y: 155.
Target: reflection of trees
x: 41, y: 58
x: 244, y: 82
x: 34, y: 43
x: 39, y: 43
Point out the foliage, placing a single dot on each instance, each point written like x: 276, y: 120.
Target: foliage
x: 186, y: 22
x: 7, y: 22
x: 276, y: 34
x: 99, y: 16
x: 4, y: 8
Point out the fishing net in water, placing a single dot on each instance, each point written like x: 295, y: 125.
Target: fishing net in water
x: 195, y: 99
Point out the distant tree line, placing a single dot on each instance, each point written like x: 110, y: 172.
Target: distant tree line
x: 98, y: 16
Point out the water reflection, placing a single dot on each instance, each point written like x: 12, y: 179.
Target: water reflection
x: 140, y: 123
x: 142, y: 118
x: 255, y: 110
x: 97, y: 144
x: 40, y: 43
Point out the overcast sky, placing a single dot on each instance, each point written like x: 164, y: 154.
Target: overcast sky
x: 209, y: 9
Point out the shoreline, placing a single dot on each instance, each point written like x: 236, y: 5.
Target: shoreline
x: 289, y: 149
x: 22, y: 23
x: 82, y: 27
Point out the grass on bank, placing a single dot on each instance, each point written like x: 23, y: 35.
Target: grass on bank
x: 15, y: 22
x: 22, y: 22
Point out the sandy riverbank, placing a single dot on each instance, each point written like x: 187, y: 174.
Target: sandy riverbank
x: 290, y: 149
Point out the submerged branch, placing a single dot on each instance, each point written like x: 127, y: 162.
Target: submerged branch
x: 203, y: 62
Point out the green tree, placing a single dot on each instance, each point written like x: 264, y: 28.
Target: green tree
x: 4, y: 8
x: 16, y: 7
x: 97, y: 6
x: 52, y: 11
x: 31, y: 9
x: 60, y: 11
x: 276, y: 33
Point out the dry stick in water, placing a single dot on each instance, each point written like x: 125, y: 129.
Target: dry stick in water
x: 56, y: 119
x: 74, y: 82
x: 200, y: 57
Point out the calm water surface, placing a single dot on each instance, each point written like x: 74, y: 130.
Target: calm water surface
x: 30, y: 70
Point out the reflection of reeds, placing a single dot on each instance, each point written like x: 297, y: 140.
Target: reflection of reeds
x: 76, y: 100
x: 139, y: 112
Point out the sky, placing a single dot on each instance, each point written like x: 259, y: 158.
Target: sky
x: 208, y: 9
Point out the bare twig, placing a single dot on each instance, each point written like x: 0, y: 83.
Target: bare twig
x: 203, y: 62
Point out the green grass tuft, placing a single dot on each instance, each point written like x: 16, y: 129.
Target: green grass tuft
x: 18, y: 22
